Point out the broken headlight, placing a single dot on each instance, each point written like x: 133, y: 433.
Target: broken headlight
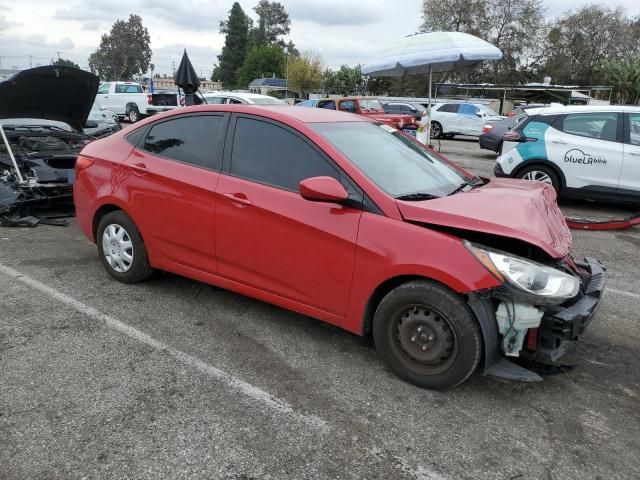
x: 528, y: 280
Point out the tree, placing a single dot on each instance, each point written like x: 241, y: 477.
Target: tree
x: 305, y: 73
x: 578, y: 43
x: 124, y: 52
x: 273, y: 23
x: 515, y: 27
x: 63, y: 62
x: 215, y: 74
x: 236, y: 30
x: 347, y: 80
x: 264, y: 61
x: 624, y: 76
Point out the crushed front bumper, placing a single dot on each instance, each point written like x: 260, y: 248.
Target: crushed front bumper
x: 560, y: 325
x: 563, y: 323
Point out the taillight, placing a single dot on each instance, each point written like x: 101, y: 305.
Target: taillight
x: 83, y: 162
x: 512, y: 136
x: 487, y: 128
x: 150, y: 99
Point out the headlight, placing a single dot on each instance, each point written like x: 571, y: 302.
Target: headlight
x: 532, y: 281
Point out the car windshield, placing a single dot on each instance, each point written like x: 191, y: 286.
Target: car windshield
x: 266, y: 101
x: 370, y: 104
x: 393, y: 162
x: 488, y: 111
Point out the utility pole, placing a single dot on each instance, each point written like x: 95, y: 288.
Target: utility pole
x: 30, y: 61
x: 173, y: 63
x: 58, y: 52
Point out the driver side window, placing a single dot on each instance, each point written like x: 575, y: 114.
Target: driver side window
x: 269, y: 154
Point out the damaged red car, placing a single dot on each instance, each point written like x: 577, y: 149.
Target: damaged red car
x: 348, y: 221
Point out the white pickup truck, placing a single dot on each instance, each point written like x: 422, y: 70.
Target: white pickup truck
x: 128, y: 100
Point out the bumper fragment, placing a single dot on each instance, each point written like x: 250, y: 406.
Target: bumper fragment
x: 498, y: 172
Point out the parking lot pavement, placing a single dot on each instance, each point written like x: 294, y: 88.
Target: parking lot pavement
x: 176, y: 379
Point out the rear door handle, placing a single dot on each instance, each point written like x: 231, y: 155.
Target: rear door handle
x: 236, y: 198
x: 561, y: 142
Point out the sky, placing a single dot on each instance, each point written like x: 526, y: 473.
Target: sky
x: 342, y: 31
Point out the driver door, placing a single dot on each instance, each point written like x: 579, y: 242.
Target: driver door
x: 267, y: 235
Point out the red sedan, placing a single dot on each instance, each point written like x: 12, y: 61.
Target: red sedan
x: 338, y: 217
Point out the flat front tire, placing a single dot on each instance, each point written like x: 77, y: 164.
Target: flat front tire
x: 121, y: 248
x: 428, y: 335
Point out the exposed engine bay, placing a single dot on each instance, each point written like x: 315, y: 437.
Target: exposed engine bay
x: 37, y: 166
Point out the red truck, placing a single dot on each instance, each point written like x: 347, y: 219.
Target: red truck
x: 371, y: 107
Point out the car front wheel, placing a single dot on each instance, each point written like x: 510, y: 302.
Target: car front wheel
x: 427, y: 335
x: 436, y: 130
x: 540, y: 173
x: 121, y: 248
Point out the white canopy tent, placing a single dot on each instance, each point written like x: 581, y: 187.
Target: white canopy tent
x: 431, y: 52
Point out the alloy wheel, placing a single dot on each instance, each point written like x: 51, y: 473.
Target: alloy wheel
x: 538, y: 176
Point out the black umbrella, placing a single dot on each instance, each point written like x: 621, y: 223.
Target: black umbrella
x: 187, y: 79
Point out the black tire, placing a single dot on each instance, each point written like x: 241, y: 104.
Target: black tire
x: 133, y: 114
x: 537, y: 172
x: 499, y: 150
x: 436, y: 130
x: 450, y: 333
x: 138, y: 269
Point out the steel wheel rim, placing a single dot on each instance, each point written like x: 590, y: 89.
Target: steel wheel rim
x: 435, y: 130
x: 117, y: 248
x: 538, y: 176
x: 424, y: 339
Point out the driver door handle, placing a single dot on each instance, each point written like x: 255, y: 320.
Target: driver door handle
x: 561, y: 142
x: 237, y: 198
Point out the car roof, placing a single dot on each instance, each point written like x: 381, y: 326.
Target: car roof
x: 236, y: 94
x: 582, y: 109
x: 276, y: 112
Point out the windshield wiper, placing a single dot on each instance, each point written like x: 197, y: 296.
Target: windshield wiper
x: 474, y: 182
x: 417, y: 196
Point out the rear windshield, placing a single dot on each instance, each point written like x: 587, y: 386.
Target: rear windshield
x: 123, y: 88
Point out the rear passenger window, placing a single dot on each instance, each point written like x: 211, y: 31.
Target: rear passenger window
x: 449, y: 108
x: 467, y: 109
x: 267, y: 153
x: 191, y: 140
x: 634, y: 129
x: 603, y: 126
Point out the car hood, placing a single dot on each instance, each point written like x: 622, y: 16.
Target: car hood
x: 518, y: 209
x: 65, y: 94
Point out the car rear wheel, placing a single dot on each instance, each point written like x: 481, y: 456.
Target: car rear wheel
x: 540, y: 173
x: 427, y: 335
x: 133, y: 115
x: 121, y: 248
x: 436, y: 130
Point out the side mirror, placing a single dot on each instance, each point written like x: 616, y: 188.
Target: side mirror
x: 480, y: 114
x: 323, y: 189
x: 91, y: 124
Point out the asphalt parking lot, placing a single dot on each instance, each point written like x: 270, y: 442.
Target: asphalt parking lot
x: 176, y: 379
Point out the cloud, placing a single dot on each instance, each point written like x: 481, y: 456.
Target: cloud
x: 337, y: 12
x: 5, y: 24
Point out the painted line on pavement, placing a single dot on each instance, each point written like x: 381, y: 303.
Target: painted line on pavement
x: 231, y: 381
x: 624, y: 293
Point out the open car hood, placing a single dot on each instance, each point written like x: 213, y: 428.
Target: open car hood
x: 518, y: 209
x: 65, y: 94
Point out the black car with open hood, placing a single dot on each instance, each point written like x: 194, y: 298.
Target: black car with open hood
x: 43, y: 112
x: 65, y: 94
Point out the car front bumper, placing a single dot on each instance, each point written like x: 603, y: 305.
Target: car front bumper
x: 563, y: 323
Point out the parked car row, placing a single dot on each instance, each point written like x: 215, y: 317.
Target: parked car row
x: 370, y: 107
